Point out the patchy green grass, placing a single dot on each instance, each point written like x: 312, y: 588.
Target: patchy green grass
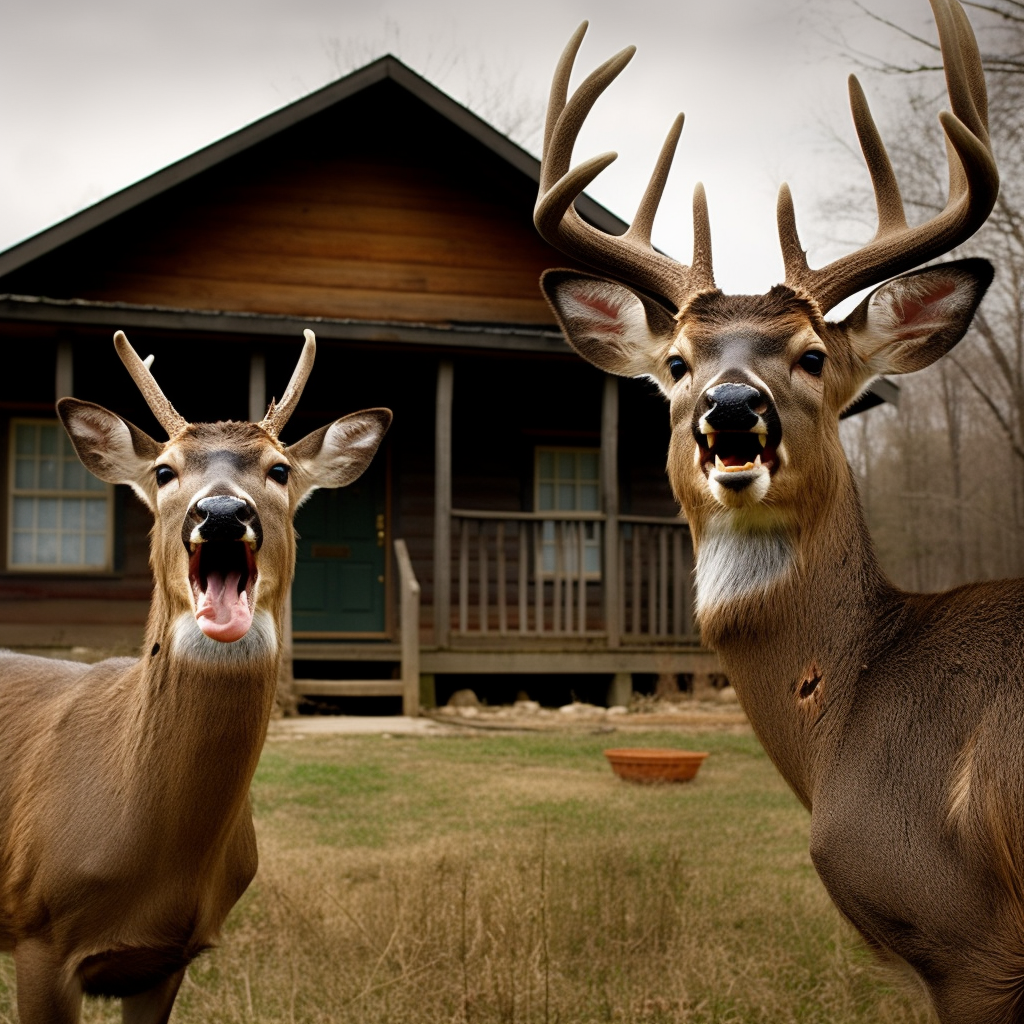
x: 513, y: 878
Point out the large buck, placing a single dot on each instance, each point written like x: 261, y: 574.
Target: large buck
x: 126, y: 834
x: 897, y: 718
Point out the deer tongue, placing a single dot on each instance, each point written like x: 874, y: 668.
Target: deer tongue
x: 222, y: 610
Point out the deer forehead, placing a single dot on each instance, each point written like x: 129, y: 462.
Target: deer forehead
x: 227, y: 446
x: 758, y: 326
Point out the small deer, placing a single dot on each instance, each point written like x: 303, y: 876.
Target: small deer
x: 896, y: 718
x: 126, y: 834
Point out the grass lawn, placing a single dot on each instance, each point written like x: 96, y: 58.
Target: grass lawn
x: 513, y: 878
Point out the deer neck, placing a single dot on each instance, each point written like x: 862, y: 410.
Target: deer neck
x: 792, y: 611
x: 198, y: 715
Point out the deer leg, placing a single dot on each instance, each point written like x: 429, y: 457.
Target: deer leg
x: 47, y: 993
x: 154, y: 1005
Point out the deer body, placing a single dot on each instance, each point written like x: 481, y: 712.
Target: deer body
x: 126, y: 834
x: 896, y: 718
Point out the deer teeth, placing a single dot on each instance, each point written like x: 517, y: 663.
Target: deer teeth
x: 757, y: 462
x: 711, y: 440
x: 763, y: 438
x: 719, y: 464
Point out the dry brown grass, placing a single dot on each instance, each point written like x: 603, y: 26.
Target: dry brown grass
x: 513, y: 879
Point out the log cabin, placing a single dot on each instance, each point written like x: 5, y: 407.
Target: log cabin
x: 516, y: 533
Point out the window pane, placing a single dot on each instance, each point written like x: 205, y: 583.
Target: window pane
x: 93, y: 483
x: 46, y: 548
x: 591, y: 560
x: 48, y: 439
x: 25, y: 439
x: 74, y: 475
x: 47, y: 513
x: 24, y: 513
x: 21, y: 553
x: 96, y: 515
x: 48, y: 474
x: 588, y: 497
x: 95, y: 550
x: 548, y: 561
x: 71, y: 514
x: 566, y: 465
x: 545, y: 497
x: 588, y: 466
x: 546, y: 464
x: 25, y: 474
x: 567, y: 496
x: 71, y: 548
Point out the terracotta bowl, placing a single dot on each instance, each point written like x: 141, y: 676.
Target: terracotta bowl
x: 650, y: 764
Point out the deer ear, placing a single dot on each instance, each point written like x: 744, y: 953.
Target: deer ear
x: 911, y: 321
x: 609, y: 324
x: 338, y: 454
x: 111, y: 448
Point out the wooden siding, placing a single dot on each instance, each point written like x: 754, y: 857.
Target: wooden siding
x: 344, y: 216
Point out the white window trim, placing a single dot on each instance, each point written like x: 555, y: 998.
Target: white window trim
x: 51, y: 568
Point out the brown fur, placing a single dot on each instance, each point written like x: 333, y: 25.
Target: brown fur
x: 125, y: 829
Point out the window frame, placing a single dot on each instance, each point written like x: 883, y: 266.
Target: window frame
x: 598, y: 522
x: 106, y: 492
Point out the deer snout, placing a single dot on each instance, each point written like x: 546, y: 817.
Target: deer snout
x: 733, y: 407
x: 222, y: 517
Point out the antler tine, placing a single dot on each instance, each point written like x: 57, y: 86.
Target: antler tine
x: 167, y: 416
x: 279, y: 414
x: 973, y: 180
x: 630, y: 256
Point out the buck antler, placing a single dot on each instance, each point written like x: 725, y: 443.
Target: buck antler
x: 279, y: 413
x: 629, y: 257
x: 896, y: 247
x: 167, y: 416
x: 973, y: 180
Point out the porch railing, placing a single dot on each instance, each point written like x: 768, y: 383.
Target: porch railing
x: 542, y: 574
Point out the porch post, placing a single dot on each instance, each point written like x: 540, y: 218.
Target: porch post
x: 443, y: 503
x: 65, y: 380
x: 257, y: 386
x: 610, y: 504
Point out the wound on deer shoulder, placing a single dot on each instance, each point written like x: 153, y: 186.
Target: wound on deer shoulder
x: 810, y: 684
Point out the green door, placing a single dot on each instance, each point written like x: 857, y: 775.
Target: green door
x: 339, y: 564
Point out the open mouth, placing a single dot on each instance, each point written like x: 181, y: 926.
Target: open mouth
x: 222, y: 574
x: 736, y: 452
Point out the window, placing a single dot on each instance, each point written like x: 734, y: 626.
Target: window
x: 60, y: 515
x: 568, y: 480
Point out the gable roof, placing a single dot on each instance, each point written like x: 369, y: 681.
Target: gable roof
x: 386, y: 67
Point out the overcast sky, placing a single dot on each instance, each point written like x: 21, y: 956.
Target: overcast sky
x: 94, y: 96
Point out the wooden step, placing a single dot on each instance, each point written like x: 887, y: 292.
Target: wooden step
x: 333, y: 650
x: 349, y: 687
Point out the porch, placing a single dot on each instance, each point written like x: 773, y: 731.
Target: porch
x: 539, y: 592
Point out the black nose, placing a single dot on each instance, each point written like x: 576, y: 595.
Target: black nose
x: 223, y: 517
x: 733, y: 406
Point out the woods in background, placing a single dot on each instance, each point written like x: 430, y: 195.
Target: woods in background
x: 942, y: 476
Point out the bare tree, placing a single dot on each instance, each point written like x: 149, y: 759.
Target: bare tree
x: 954, y: 509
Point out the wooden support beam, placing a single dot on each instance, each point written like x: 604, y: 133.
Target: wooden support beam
x: 257, y: 387
x: 64, y: 383
x: 443, y: 503
x: 610, y: 506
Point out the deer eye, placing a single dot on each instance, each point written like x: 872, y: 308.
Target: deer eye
x: 164, y: 475
x: 279, y: 473
x: 677, y: 367
x: 813, y: 362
